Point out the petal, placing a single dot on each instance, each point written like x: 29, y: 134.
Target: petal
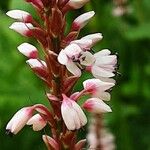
x: 62, y: 58
x: 76, y: 4
x: 104, y: 52
x: 101, y: 72
x: 71, y: 66
x: 87, y: 59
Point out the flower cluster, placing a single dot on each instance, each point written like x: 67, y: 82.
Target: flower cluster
x: 65, y: 58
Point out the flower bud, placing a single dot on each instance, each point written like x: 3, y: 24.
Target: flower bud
x: 28, y: 50
x: 50, y: 142
x: 96, y: 37
x: 20, y: 15
x: 96, y: 105
x: 37, y: 122
x: 39, y: 67
x: 76, y: 4
x: 24, y: 29
x: 72, y: 114
x: 82, y: 20
x: 19, y: 120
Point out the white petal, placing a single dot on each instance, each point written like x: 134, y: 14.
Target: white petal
x: 62, y: 58
x: 36, y: 63
x: 104, y: 52
x: 87, y: 59
x: 71, y: 66
x: 101, y: 72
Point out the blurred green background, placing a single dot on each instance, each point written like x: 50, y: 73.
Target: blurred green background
x: 128, y: 35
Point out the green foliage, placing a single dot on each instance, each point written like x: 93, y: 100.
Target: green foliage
x: 128, y: 35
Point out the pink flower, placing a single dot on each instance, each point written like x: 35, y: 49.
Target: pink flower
x: 97, y: 88
x: 73, y: 57
x: 76, y: 4
x: 22, y: 28
x: 104, y: 65
x: 20, y: 15
x: 82, y: 20
x: 38, y: 122
x: 50, y: 142
x: 28, y: 50
x: 19, y: 120
x: 72, y: 114
x: 96, y: 105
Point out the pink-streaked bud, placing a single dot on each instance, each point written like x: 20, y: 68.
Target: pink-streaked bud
x: 97, y: 88
x: 96, y: 105
x: 28, y: 50
x: 19, y: 120
x: 20, y: 15
x: 37, y: 122
x: 82, y: 20
x: 24, y: 29
x: 76, y: 4
x: 50, y: 142
x: 96, y: 37
x: 36, y: 3
x: 72, y: 114
x: 39, y: 67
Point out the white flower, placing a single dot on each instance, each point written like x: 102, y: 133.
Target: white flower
x: 73, y: 57
x: 97, y: 88
x: 76, y: 4
x: 20, y: 15
x: 104, y: 65
x: 96, y: 105
x: 22, y: 28
x: 37, y: 122
x: 82, y: 20
x: 72, y: 114
x: 19, y: 120
x: 28, y: 50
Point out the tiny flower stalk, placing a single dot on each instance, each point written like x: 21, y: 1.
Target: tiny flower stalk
x: 64, y: 59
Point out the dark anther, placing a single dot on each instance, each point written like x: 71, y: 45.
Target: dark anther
x: 8, y: 132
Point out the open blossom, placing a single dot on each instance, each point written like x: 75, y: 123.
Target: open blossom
x: 37, y: 122
x: 28, y: 50
x: 22, y: 28
x: 104, y: 65
x: 20, y: 15
x: 72, y: 114
x: 72, y: 56
x: 96, y: 105
x: 19, y: 120
x: 82, y: 20
x: 97, y: 88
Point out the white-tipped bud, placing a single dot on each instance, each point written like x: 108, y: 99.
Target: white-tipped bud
x: 96, y: 105
x: 22, y: 28
x: 76, y: 4
x: 50, y: 142
x: 37, y: 122
x: 20, y: 15
x: 28, y: 50
x: 96, y: 37
x: 39, y: 67
x: 82, y: 20
x: 19, y: 120
x: 72, y: 114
